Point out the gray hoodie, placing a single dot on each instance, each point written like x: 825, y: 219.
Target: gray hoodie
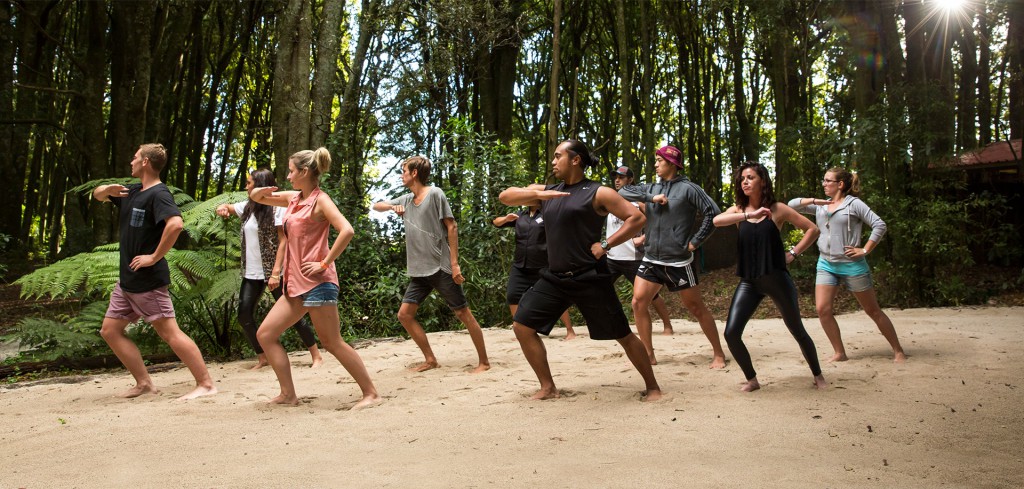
x: 669, y: 226
x: 842, y: 227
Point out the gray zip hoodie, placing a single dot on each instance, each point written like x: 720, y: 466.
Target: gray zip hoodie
x: 842, y: 227
x: 669, y: 226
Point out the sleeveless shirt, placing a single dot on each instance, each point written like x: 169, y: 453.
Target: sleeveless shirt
x: 307, y: 241
x: 759, y: 248
x: 572, y: 226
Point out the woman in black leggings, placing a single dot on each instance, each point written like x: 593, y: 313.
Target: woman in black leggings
x: 762, y: 266
x: 261, y: 264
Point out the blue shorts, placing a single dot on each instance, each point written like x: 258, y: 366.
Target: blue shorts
x: 855, y: 276
x: 325, y: 294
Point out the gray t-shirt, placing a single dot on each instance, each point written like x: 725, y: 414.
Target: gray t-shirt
x: 426, y: 237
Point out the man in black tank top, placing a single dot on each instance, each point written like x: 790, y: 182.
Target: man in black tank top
x: 574, y: 213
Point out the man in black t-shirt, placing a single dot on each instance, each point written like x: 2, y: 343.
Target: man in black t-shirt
x: 150, y: 223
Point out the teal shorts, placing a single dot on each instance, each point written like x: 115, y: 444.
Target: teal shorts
x: 855, y: 276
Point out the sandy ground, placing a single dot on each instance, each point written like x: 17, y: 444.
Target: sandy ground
x: 950, y: 417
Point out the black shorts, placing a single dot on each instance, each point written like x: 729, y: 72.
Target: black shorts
x: 675, y: 278
x: 420, y: 287
x: 625, y: 268
x: 593, y: 294
x: 519, y: 281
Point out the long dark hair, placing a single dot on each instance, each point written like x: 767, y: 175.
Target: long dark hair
x: 767, y: 193
x: 264, y: 213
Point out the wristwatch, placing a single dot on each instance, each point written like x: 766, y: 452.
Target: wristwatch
x: 604, y: 244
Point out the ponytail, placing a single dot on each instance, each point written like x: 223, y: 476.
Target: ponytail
x: 850, y: 180
x: 318, y: 162
x: 578, y: 148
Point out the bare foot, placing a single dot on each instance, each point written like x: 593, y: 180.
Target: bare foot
x: 259, y: 365
x: 199, y: 391
x: 317, y: 361
x: 667, y: 331
x: 652, y: 395
x: 838, y: 357
x: 570, y: 335
x: 750, y: 385
x: 483, y: 367
x: 717, y: 362
x: 900, y: 357
x: 544, y: 394
x: 423, y: 367
x: 367, y: 401
x: 819, y: 382
x: 285, y: 400
x: 139, y: 390
x: 654, y: 361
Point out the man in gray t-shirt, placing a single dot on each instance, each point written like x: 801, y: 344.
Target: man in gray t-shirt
x: 432, y: 258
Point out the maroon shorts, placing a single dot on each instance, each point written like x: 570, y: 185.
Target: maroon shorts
x: 152, y: 305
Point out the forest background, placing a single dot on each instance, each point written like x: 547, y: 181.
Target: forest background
x: 894, y: 89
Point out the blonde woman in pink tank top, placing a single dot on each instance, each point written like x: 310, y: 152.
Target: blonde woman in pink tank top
x: 310, y: 279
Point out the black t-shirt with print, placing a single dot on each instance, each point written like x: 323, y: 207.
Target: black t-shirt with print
x: 143, y: 216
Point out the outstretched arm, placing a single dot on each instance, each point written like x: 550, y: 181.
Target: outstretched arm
x: 103, y: 193
x: 503, y: 220
x: 531, y: 195
x: 270, y: 196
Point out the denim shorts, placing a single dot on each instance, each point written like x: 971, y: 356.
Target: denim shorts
x: 856, y: 276
x: 321, y: 295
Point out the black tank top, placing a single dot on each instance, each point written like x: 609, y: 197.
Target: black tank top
x: 572, y: 226
x: 759, y: 248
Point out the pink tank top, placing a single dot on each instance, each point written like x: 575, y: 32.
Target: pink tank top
x: 307, y: 241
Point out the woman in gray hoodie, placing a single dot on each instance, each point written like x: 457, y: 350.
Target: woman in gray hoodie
x: 841, y: 218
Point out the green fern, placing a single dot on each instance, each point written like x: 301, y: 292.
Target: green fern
x: 82, y: 273
x: 201, y: 220
x: 46, y: 339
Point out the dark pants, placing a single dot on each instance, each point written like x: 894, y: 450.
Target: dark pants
x: 749, y: 293
x: 248, y: 297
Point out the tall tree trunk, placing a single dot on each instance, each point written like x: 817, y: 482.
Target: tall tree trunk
x: 1015, y: 57
x: 967, y: 97
x: 131, y: 62
x: 348, y: 126
x: 13, y: 134
x: 928, y: 78
x: 325, y: 79
x: 984, y: 78
x: 553, y: 84
x: 290, y: 104
x: 737, y: 40
x: 625, y: 88
x: 648, y: 106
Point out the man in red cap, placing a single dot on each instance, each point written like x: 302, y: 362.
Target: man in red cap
x: 673, y: 204
x: 625, y: 259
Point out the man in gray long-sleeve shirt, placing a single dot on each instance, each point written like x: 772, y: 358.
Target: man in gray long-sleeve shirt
x: 673, y: 204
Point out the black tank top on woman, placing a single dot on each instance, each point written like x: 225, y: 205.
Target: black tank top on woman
x: 759, y: 248
x: 572, y: 226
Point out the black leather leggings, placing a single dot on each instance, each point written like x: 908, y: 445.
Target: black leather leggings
x: 749, y: 293
x: 248, y: 297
